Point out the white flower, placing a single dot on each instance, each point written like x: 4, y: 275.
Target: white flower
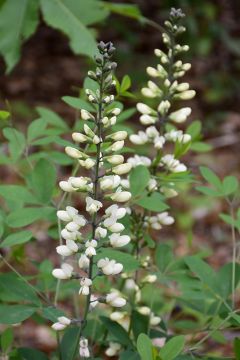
x: 139, y: 139
x: 110, y: 182
x: 144, y: 310
x: 152, y: 132
x: 91, y: 245
x: 118, y: 145
x: 83, y: 349
x: 66, y: 186
x: 165, y: 219
x: 74, y: 153
x: 152, y: 185
x: 117, y: 315
x: 83, y: 262
x: 116, y: 228
x: 173, y: 164
x: 88, y: 163
x: 100, y: 232
x: 68, y: 214
x: 68, y: 249
x: 168, y: 192
x: 121, y: 196
x: 177, y: 135
x: 151, y: 278
x: 115, y: 211
x: 109, y: 267
x: 82, y: 183
x: 154, y: 320
x: 114, y: 159
x: 114, y: 299
x: 163, y: 107
x: 92, y: 206
x: 113, y: 349
x: 62, y: 323
x: 115, y: 111
x: 64, y: 273
x: 85, y: 284
x: 93, y: 302
x: 117, y: 240
x: 139, y: 160
x: 147, y: 119
x: 181, y: 115
x: 144, y: 109
x: 117, y: 136
x: 79, y: 137
x: 122, y: 169
x: 86, y: 115
x: 186, y: 95
x: 125, y: 183
x: 159, y: 141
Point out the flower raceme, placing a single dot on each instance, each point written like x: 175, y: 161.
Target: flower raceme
x: 97, y: 151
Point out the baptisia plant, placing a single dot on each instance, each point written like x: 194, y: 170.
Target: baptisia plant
x: 98, y: 153
x: 161, y: 138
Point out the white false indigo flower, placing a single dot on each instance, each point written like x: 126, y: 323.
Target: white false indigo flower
x: 154, y: 320
x: 74, y: 153
x: 83, y: 349
x: 62, y: 323
x: 117, y: 136
x: 65, y: 272
x: 114, y: 159
x: 181, y: 115
x: 121, y: 196
x: 139, y: 139
x: 173, y: 164
x: 79, y: 137
x: 122, y: 169
x: 86, y: 115
x: 88, y: 163
x: 152, y: 185
x: 66, y: 186
x: 110, y: 182
x: 115, y: 211
x: 118, y: 145
x: 83, y: 262
x: 159, y: 141
x: 139, y: 160
x: 147, y: 119
x: 145, y: 109
x: 114, y: 299
x: 85, y: 285
x: 109, y: 267
x: 186, y: 95
x: 92, y: 206
x: 68, y: 249
x: 151, y: 278
x: 113, y: 349
x: 90, y: 248
x: 117, y: 240
x: 100, y: 232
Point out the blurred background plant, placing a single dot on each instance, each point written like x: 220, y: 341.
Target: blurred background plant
x: 46, y: 47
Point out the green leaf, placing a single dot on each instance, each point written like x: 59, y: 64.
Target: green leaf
x: 128, y: 10
x: 236, y: 345
x: 203, y: 271
x: 230, y: 185
x: 43, y: 180
x: 17, y: 142
x: 125, y: 115
x: 17, y: 238
x: 51, y: 313
x: 211, y: 177
x: 144, y: 347
x: 30, y: 354
x: 117, y: 331
x: 36, y: 129
x: 14, y: 288
x: 207, y: 191
x: 4, y: 115
x: 200, y: 146
x: 24, y: 16
x: 17, y: 193
x: 6, y: 339
x: 129, y: 355
x: 51, y: 118
x: 140, y: 324
x: 13, y: 314
x: 194, y: 129
x: 77, y: 103
x: 139, y: 178
x: 28, y: 215
x: 154, y: 202
x: 172, y: 348
x: 163, y: 256
x: 125, y: 84
x: 130, y: 263
x: 71, y: 17
x: 69, y: 344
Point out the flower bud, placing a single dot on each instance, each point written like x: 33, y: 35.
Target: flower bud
x: 74, y: 153
x: 122, y: 169
x: 181, y: 115
x: 86, y: 115
x: 79, y: 137
x: 117, y: 136
x: 115, y: 159
x: 122, y: 196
